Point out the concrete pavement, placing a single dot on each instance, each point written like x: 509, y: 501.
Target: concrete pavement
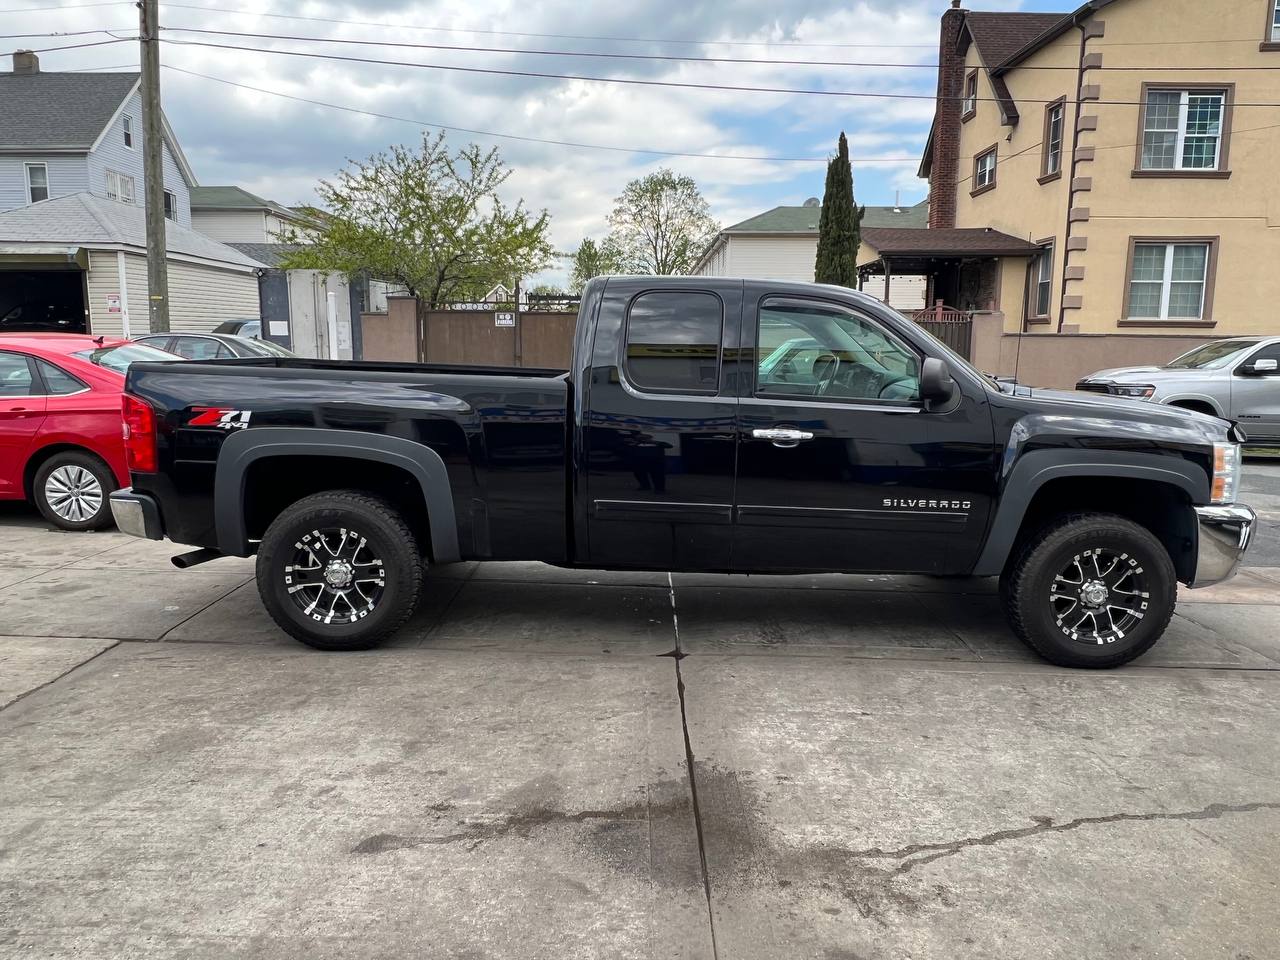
x: 879, y: 770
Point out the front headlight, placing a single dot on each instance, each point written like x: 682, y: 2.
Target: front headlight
x: 1226, y: 472
x: 1139, y: 391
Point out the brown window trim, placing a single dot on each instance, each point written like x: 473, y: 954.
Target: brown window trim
x: 964, y: 95
x: 1210, y: 280
x: 1268, y: 45
x: 1035, y: 283
x: 1045, y: 175
x: 1223, y: 170
x: 995, y: 177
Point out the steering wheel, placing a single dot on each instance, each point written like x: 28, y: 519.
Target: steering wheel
x: 892, y: 381
x: 825, y: 368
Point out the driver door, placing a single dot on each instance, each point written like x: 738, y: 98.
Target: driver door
x: 1255, y: 396
x: 840, y: 467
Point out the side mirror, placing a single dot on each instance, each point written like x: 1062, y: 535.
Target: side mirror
x: 936, y: 383
x: 1259, y: 367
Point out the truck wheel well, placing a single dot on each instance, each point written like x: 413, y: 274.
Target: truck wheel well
x: 41, y: 456
x: 1199, y: 406
x: 278, y: 482
x: 1162, y: 508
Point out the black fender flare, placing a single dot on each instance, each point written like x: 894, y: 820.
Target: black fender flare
x: 1033, y: 470
x: 242, y: 448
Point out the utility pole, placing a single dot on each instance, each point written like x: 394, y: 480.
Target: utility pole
x: 153, y: 166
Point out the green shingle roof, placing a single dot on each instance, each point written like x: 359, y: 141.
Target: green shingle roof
x: 805, y: 219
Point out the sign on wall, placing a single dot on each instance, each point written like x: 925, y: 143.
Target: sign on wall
x: 504, y: 319
x: 113, y: 303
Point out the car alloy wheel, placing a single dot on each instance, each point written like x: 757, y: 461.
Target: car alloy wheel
x: 1099, y: 596
x: 73, y: 493
x: 334, y: 576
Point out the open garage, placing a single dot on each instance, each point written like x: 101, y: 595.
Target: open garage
x: 42, y: 299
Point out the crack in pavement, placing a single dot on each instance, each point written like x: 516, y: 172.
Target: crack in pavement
x: 1040, y: 825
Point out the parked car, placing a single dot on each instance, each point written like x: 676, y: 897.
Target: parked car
x: 60, y: 441
x: 662, y: 448
x: 1236, y: 379
x: 214, y: 346
x: 240, y: 328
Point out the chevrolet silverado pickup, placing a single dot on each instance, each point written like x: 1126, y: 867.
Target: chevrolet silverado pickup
x: 705, y: 424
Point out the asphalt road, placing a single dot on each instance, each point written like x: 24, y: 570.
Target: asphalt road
x: 1260, y: 488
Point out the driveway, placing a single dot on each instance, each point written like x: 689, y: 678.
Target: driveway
x: 580, y: 764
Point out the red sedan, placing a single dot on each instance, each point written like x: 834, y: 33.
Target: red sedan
x: 61, y: 445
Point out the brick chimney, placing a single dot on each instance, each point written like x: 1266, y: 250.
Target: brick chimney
x: 946, y: 124
x: 24, y: 61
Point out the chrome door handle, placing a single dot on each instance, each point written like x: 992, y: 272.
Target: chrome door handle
x: 782, y: 437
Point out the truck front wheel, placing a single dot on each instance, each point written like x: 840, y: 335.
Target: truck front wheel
x: 1091, y: 590
x: 339, y: 570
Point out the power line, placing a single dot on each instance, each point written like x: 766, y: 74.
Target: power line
x: 75, y: 46
x: 512, y: 136
x: 551, y: 36
x: 634, y: 81
x: 562, y: 53
x: 596, y: 54
x: 65, y: 6
x: 61, y: 33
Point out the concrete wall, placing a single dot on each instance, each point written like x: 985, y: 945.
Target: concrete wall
x: 1060, y: 360
x: 1110, y: 204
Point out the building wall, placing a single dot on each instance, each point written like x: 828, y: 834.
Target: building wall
x: 200, y: 297
x: 231, y: 226
x: 112, y: 154
x: 1110, y: 205
x: 68, y: 174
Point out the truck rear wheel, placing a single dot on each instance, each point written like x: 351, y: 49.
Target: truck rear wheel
x: 339, y: 570
x: 1091, y: 590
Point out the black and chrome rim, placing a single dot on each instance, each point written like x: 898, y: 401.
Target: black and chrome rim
x: 1100, y: 596
x: 335, y: 576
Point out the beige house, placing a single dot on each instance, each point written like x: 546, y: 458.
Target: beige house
x: 782, y: 244
x: 1140, y: 165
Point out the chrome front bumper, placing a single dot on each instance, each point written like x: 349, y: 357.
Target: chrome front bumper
x: 1224, y: 536
x: 136, y: 514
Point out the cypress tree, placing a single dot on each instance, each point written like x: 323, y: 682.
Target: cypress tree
x: 839, y: 225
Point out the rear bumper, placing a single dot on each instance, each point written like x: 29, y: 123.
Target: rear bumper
x: 136, y: 514
x: 1225, y: 533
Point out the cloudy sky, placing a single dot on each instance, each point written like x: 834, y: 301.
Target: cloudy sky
x: 280, y: 147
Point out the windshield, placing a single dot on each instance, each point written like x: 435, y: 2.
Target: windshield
x: 1210, y: 356
x: 119, y: 357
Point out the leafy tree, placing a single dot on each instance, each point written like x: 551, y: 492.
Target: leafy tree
x: 547, y: 290
x: 660, y: 224
x: 839, y: 224
x: 429, y: 218
x: 592, y: 260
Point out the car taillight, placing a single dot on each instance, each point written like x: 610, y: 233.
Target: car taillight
x: 139, y: 435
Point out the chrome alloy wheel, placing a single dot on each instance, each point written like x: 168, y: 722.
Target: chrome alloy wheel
x: 334, y: 576
x: 73, y: 493
x: 1099, y: 596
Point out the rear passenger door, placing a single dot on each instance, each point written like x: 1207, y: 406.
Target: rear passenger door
x: 21, y: 413
x: 658, y: 441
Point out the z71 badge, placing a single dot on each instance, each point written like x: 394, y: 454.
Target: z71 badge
x: 220, y: 417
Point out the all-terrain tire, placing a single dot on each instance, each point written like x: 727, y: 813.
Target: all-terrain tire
x: 1030, y: 584
x: 298, y: 551
x: 71, y: 489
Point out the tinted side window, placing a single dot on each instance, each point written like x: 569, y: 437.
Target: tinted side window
x: 57, y: 381
x: 15, y: 376
x: 200, y: 348
x: 1271, y: 352
x: 673, y: 341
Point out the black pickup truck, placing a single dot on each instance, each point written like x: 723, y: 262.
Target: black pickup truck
x: 706, y: 424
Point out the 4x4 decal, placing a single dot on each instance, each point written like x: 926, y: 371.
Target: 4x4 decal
x: 221, y: 417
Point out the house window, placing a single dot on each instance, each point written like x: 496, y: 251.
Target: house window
x: 170, y: 206
x: 1044, y: 281
x: 1169, y: 280
x: 119, y: 187
x: 128, y: 131
x: 1273, y: 35
x: 1051, y: 160
x: 969, y: 106
x: 37, y: 182
x: 1184, y: 130
x: 984, y: 171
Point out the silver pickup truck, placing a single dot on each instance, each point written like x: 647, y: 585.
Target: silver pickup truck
x: 1237, y: 379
